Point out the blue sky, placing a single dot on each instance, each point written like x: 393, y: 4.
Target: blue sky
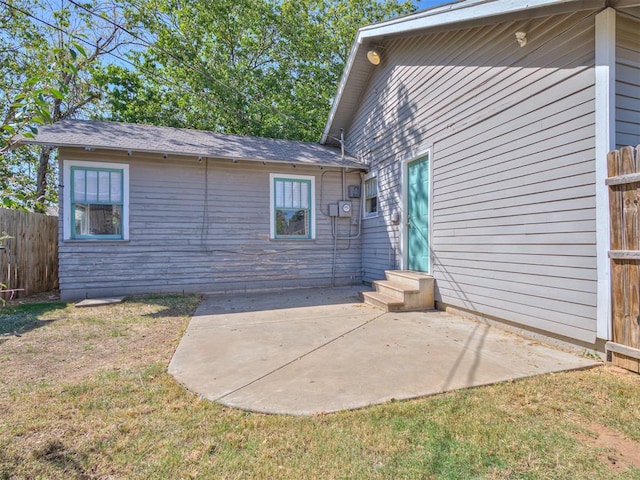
x: 423, y: 4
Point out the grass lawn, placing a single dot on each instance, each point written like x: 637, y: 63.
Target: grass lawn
x: 84, y: 394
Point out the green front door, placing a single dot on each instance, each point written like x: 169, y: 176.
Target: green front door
x: 418, y: 215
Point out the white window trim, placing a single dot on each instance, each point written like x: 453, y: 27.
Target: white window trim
x: 366, y: 215
x: 272, y: 210
x: 66, y: 197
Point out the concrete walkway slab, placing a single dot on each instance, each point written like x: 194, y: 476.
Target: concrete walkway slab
x: 304, y: 352
x: 99, y: 302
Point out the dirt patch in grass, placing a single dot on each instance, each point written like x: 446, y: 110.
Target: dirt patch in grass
x: 615, y: 449
x: 619, y: 452
x: 50, y: 342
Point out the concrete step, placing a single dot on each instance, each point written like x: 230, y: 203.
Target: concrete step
x: 422, y: 282
x: 382, y: 301
x: 392, y: 290
x: 408, y: 279
x: 402, y: 291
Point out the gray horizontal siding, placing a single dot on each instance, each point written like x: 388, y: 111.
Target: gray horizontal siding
x: 380, y: 250
x: 195, y: 236
x: 511, y: 132
x: 627, y: 80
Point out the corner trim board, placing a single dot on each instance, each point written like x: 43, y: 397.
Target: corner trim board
x: 605, y: 70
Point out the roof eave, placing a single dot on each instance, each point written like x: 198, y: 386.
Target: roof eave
x: 341, y: 164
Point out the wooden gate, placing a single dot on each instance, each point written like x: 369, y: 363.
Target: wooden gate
x: 624, y: 204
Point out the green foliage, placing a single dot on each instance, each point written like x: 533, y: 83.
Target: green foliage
x: 18, y: 179
x: 47, y: 57
x: 252, y: 67
x: 42, y: 74
x: 266, y: 68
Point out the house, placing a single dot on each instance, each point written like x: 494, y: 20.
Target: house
x: 157, y: 209
x: 476, y: 136
x: 485, y: 126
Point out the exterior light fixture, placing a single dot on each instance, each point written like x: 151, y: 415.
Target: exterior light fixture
x: 521, y: 38
x: 374, y: 57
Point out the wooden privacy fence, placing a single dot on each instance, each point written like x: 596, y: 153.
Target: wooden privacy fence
x: 624, y: 204
x: 28, y: 260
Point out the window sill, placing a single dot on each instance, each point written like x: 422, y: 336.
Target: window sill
x: 292, y: 240
x: 95, y: 240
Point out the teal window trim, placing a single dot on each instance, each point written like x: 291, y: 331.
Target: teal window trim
x: 97, y: 201
x: 307, y: 209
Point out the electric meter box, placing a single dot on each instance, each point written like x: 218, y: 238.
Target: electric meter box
x: 344, y: 209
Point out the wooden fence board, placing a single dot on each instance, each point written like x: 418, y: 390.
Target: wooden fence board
x: 622, y: 179
x: 624, y: 204
x: 29, y: 259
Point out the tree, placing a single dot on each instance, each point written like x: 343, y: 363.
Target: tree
x: 49, y: 54
x: 18, y: 179
x: 253, y: 67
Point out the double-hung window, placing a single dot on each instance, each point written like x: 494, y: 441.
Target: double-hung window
x: 96, y: 201
x: 370, y: 196
x: 292, y: 206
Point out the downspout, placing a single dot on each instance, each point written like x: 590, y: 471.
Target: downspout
x: 344, y: 170
x: 335, y: 252
x: 334, y: 220
x: 334, y: 226
x: 344, y: 184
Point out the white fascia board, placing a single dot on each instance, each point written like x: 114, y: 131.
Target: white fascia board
x: 341, y: 86
x: 455, y: 13
x: 605, y: 129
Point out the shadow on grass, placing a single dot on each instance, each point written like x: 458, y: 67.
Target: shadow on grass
x: 173, y: 305
x: 18, y: 319
x: 63, y: 459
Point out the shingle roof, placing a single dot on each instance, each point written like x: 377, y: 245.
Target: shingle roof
x: 180, y: 141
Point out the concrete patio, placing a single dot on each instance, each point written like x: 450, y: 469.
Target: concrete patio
x: 311, y: 351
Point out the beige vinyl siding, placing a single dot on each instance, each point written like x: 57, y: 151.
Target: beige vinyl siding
x: 627, y: 80
x: 195, y: 236
x: 511, y: 132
